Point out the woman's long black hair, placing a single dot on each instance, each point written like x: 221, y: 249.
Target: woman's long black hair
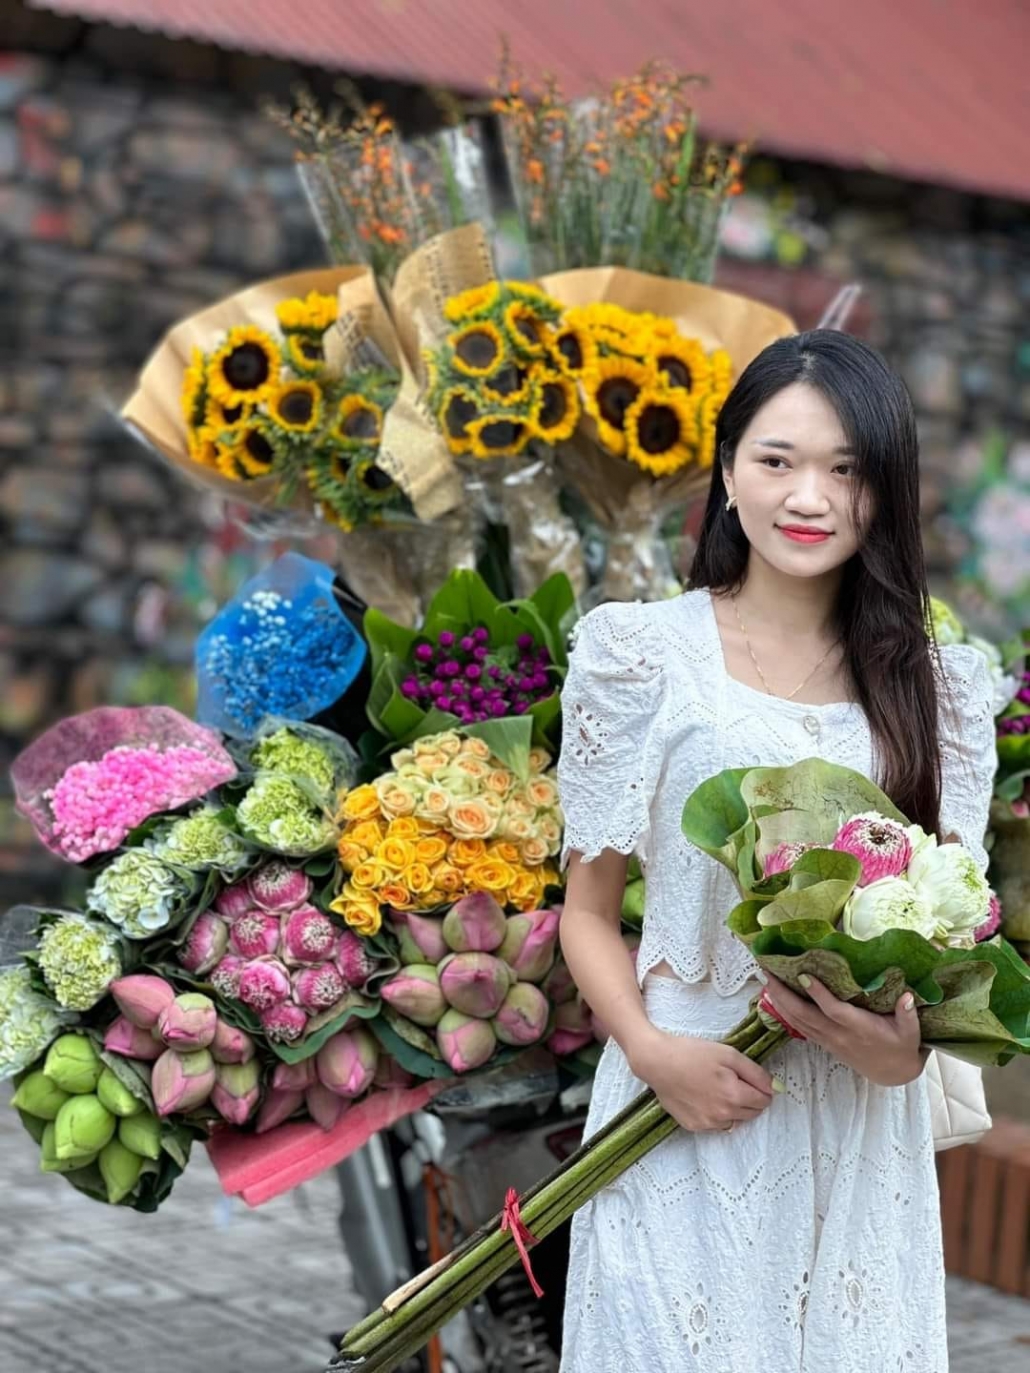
x: 881, y: 611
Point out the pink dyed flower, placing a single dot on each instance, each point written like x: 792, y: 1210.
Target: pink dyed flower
x: 881, y: 846
x: 318, y: 988
x: 992, y: 924
x: 226, y: 976
x: 353, y: 959
x: 254, y: 934
x: 205, y: 944
x: 308, y: 936
x: 277, y: 887
x: 264, y: 983
x: 284, y: 1024
x: 783, y: 858
x: 234, y: 902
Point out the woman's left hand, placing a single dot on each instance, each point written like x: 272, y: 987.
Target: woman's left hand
x: 883, y: 1048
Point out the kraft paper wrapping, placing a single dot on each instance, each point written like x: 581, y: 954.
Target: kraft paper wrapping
x: 627, y: 503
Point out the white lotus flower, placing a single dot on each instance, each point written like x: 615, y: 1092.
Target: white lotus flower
x: 948, y: 879
x: 889, y: 904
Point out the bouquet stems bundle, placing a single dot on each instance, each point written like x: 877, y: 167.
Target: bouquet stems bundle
x: 406, y: 1320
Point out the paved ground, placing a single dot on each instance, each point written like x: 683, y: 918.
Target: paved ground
x: 208, y: 1286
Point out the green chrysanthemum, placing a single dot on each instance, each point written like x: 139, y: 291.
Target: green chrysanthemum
x: 28, y: 1022
x: 276, y: 812
x: 79, y: 958
x: 201, y: 841
x: 137, y: 892
x: 285, y: 752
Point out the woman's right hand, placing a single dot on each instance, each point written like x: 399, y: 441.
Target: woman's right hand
x: 702, y: 1084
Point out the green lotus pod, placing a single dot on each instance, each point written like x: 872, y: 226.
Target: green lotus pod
x: 120, y: 1169
x: 50, y: 1163
x: 114, y: 1094
x: 73, y: 1064
x: 141, y: 1135
x: 83, y: 1126
x: 38, y: 1096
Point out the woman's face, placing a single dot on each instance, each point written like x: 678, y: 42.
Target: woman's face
x: 794, y: 479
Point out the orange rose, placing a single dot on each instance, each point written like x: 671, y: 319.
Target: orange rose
x: 465, y: 852
x: 507, y: 853
x: 395, y: 895
x: 490, y: 875
x: 539, y: 760
x: 367, y: 876
x: 534, y: 851
x: 351, y: 854
x: 449, y: 879
x: 434, y: 805
x: 542, y: 792
x: 550, y: 831
x: 395, y: 802
x: 472, y: 767
x: 499, y: 781
x: 396, y: 853
x: 404, y: 828
x: 431, y: 850
x: 363, y: 918
x: 518, y: 827
x: 360, y: 804
x: 418, y: 879
x: 368, y: 833
x: 472, y: 819
x: 427, y: 763
x: 475, y: 748
x: 449, y: 743
x: 525, y: 891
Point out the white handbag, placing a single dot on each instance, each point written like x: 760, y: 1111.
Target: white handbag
x: 958, y: 1106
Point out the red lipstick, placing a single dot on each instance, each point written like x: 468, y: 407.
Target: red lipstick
x: 802, y: 534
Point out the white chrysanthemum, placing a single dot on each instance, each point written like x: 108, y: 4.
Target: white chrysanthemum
x: 890, y: 904
x: 949, y: 880
x: 138, y: 893
x: 28, y: 1022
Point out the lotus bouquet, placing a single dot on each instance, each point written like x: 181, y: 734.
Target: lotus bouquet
x: 835, y: 885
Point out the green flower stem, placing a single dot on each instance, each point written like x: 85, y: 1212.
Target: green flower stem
x: 386, y: 1338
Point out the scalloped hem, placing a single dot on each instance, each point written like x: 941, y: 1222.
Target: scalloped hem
x: 704, y: 976
x: 626, y: 847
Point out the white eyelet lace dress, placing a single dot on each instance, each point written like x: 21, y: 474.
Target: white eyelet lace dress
x: 807, y: 1240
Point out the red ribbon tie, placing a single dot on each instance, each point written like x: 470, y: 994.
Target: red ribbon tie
x: 766, y: 1005
x: 511, y: 1219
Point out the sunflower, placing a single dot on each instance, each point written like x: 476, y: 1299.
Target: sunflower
x: 509, y: 385
x: 557, y: 409
x: 478, y: 300
x: 431, y: 368
x: 458, y: 409
x: 573, y: 348
x: 314, y: 312
x: 296, y: 406
x: 194, y: 389
x: 611, y: 317
x: 230, y: 464
x: 221, y: 417
x: 526, y: 330
x: 707, y: 414
x: 498, y: 436
x: 305, y: 354
x: 202, y: 446
x: 683, y: 363
x: 609, y: 389
x: 375, y: 482
x: 722, y: 373
x: 661, y: 431
x: 358, y: 420
x: 252, y: 450
x: 478, y: 348
x: 246, y: 367
x: 542, y: 303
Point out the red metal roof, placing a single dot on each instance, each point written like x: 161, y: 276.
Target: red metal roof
x: 935, y: 90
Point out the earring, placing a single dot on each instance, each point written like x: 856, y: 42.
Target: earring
x: 731, y: 502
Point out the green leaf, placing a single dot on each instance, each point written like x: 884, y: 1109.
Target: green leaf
x: 545, y: 715
x: 464, y: 600
x: 321, y: 1028
x: 823, y: 865
x: 396, y: 1036
x: 385, y: 636
x: 129, y: 1074
x: 715, y: 814
x: 176, y: 1141
x: 509, y: 738
x: 823, y: 789
x: 555, y: 599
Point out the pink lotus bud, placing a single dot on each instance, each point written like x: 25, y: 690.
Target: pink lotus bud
x: 465, y: 1042
x: 308, y: 936
x: 127, y: 1039
x: 234, y: 902
x: 415, y: 992
x: 188, y: 1022
x: 523, y: 1016
x: 475, y: 983
x: 407, y: 948
x: 236, y: 1090
x: 529, y: 944
x: 573, y: 1028
x: 205, y: 944
x: 277, y: 887
x: 231, y: 1045
x: 992, y: 924
x: 276, y: 1108
x: 389, y: 1073
x: 346, y: 1064
x: 285, y: 1023
x: 783, y: 858
x: 226, y: 976
x: 254, y: 934
x: 263, y: 983
x: 882, y: 846
x: 141, y: 998
x: 475, y: 924
x: 558, y: 985
x: 181, y: 1082
x: 294, y: 1077
x: 564, y: 1042
x: 354, y: 960
x: 318, y: 988
x: 421, y: 936
x: 324, y: 1107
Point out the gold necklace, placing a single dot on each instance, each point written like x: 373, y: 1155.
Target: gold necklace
x: 758, y: 667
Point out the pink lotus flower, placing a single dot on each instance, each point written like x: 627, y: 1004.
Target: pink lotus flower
x: 231, y: 1045
x: 475, y: 983
x: 421, y: 937
x: 236, y: 1091
x: 181, y: 1082
x: 783, y: 858
x: 523, y: 1016
x: 234, y: 902
x: 188, y: 1022
x: 277, y: 1107
x: 205, y: 944
x: 319, y: 987
x: 992, y: 924
x: 558, y: 985
x: 308, y: 936
x: 529, y: 944
x: 324, y: 1107
x: 142, y: 997
x: 475, y: 924
x: 573, y: 1028
x: 225, y: 978
x: 294, y: 1077
x: 346, y: 1064
x: 254, y: 934
x: 285, y: 1023
x: 125, y: 1038
x: 415, y: 992
x: 277, y: 887
x: 354, y: 960
x: 881, y: 846
x: 465, y: 1042
x: 264, y: 983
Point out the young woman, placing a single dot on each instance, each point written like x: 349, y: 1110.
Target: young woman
x: 792, y: 1225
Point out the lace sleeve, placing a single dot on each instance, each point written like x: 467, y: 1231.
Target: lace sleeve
x: 968, y: 752
x: 611, y: 753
